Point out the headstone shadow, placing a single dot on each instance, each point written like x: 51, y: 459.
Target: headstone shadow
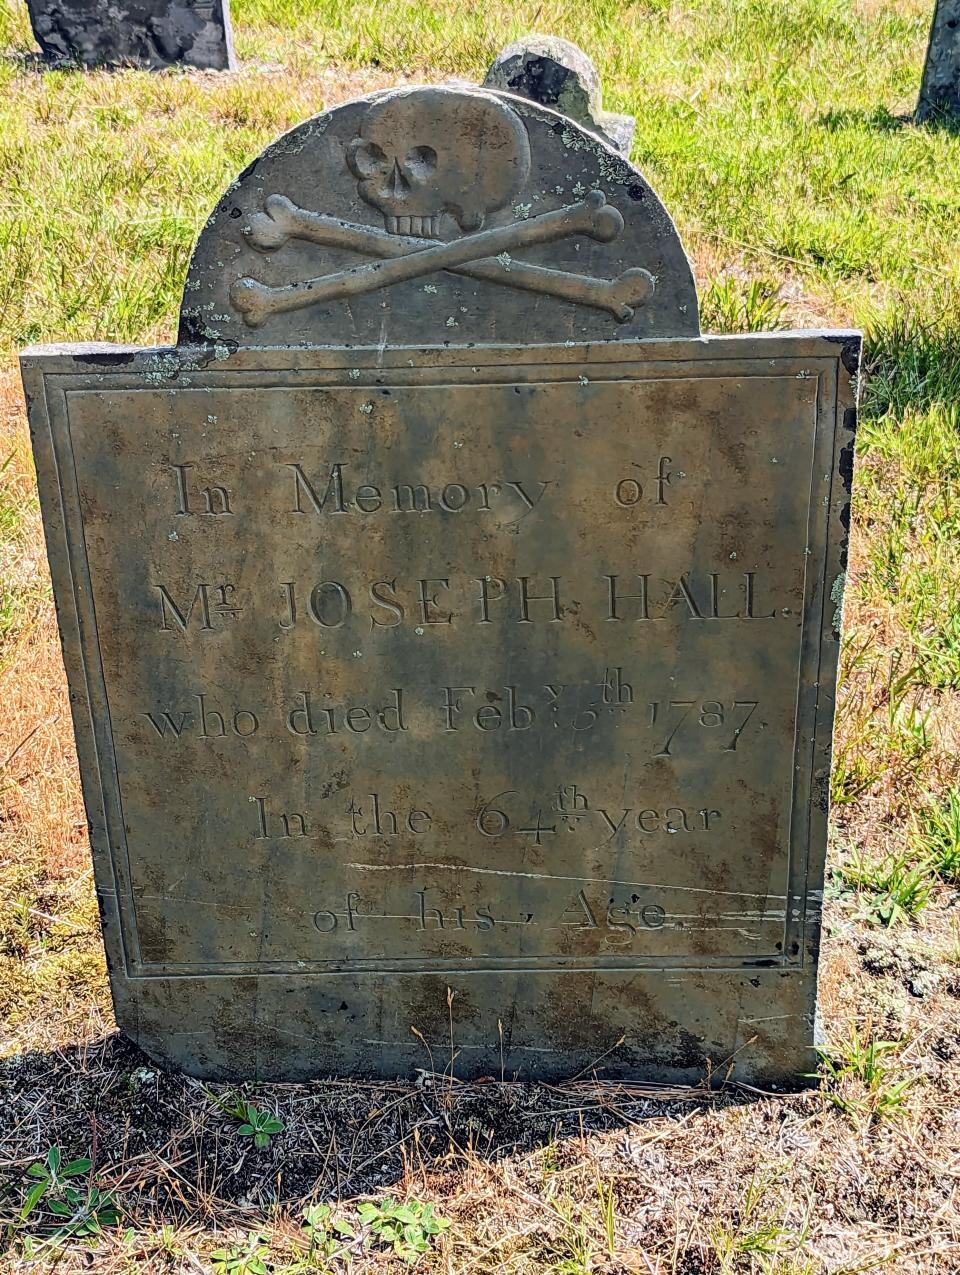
x: 169, y: 1148
x: 882, y: 120
x: 878, y: 118
x: 25, y: 60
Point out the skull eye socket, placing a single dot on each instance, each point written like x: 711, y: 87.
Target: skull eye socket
x: 421, y: 162
x: 366, y: 158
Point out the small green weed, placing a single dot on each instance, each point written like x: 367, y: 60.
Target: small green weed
x: 166, y: 1241
x: 259, y: 1125
x: 76, y: 1210
x: 255, y: 1122
x: 912, y: 360
x: 939, y: 651
x: 608, y: 1211
x: 325, y: 1233
x: 936, y: 835
x: 50, y: 1177
x: 238, y: 1261
x: 575, y: 1250
x: 409, y: 1229
x: 883, y: 727
x: 549, y: 1160
x: 84, y: 1212
x: 859, y: 1080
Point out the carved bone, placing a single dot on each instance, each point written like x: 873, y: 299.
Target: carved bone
x: 592, y: 217
x: 283, y: 221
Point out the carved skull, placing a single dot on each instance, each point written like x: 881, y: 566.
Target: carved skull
x: 425, y: 152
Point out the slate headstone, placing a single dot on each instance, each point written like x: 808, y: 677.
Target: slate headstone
x: 940, y: 90
x: 150, y: 34
x: 560, y: 75
x: 451, y: 628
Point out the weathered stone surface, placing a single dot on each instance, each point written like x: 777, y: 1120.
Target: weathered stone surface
x: 437, y: 637
x: 560, y: 75
x: 436, y: 164
x: 940, y: 90
x: 144, y: 33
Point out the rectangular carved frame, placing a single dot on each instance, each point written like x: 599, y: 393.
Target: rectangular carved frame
x: 52, y: 375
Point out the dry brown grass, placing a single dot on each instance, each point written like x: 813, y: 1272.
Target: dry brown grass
x: 52, y: 976
x: 43, y: 811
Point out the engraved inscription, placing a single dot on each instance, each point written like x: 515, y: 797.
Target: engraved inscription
x: 616, y: 913
x: 209, y: 604
x: 631, y: 491
x: 212, y: 500
x: 508, y: 813
x: 700, y: 724
x: 522, y: 599
x: 332, y: 494
x: 462, y: 701
x: 378, y: 822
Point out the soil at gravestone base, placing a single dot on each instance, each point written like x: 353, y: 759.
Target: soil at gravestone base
x: 173, y: 1154
x: 109, y: 1100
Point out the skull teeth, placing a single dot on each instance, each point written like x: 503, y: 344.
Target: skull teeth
x: 424, y: 227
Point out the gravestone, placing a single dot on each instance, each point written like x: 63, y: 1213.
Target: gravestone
x: 940, y: 90
x: 451, y: 629
x: 560, y: 75
x: 151, y: 34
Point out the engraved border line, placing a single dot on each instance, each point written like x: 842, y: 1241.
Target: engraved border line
x: 473, y: 369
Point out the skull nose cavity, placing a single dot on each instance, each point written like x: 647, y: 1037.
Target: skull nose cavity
x: 397, y: 184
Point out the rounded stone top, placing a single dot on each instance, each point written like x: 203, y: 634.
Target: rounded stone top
x: 550, y: 71
x: 441, y: 216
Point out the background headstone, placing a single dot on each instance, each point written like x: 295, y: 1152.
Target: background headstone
x: 560, y: 75
x: 152, y: 34
x: 940, y: 90
x: 446, y: 656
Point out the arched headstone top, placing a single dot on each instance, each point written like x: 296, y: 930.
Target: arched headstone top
x: 438, y: 215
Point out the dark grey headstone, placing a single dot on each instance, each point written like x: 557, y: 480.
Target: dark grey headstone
x: 560, y: 75
x: 940, y: 90
x: 445, y: 654
x: 144, y: 33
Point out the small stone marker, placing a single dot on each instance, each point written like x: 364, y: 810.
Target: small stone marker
x: 940, y: 91
x: 560, y: 75
x: 151, y: 34
x: 449, y: 659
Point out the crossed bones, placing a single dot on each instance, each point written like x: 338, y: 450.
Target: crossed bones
x: 484, y: 255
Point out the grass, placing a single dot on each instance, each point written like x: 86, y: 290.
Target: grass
x: 759, y: 1238
x: 936, y: 835
x: 778, y: 133
x: 893, y: 890
x: 766, y: 164
x: 861, y: 1080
